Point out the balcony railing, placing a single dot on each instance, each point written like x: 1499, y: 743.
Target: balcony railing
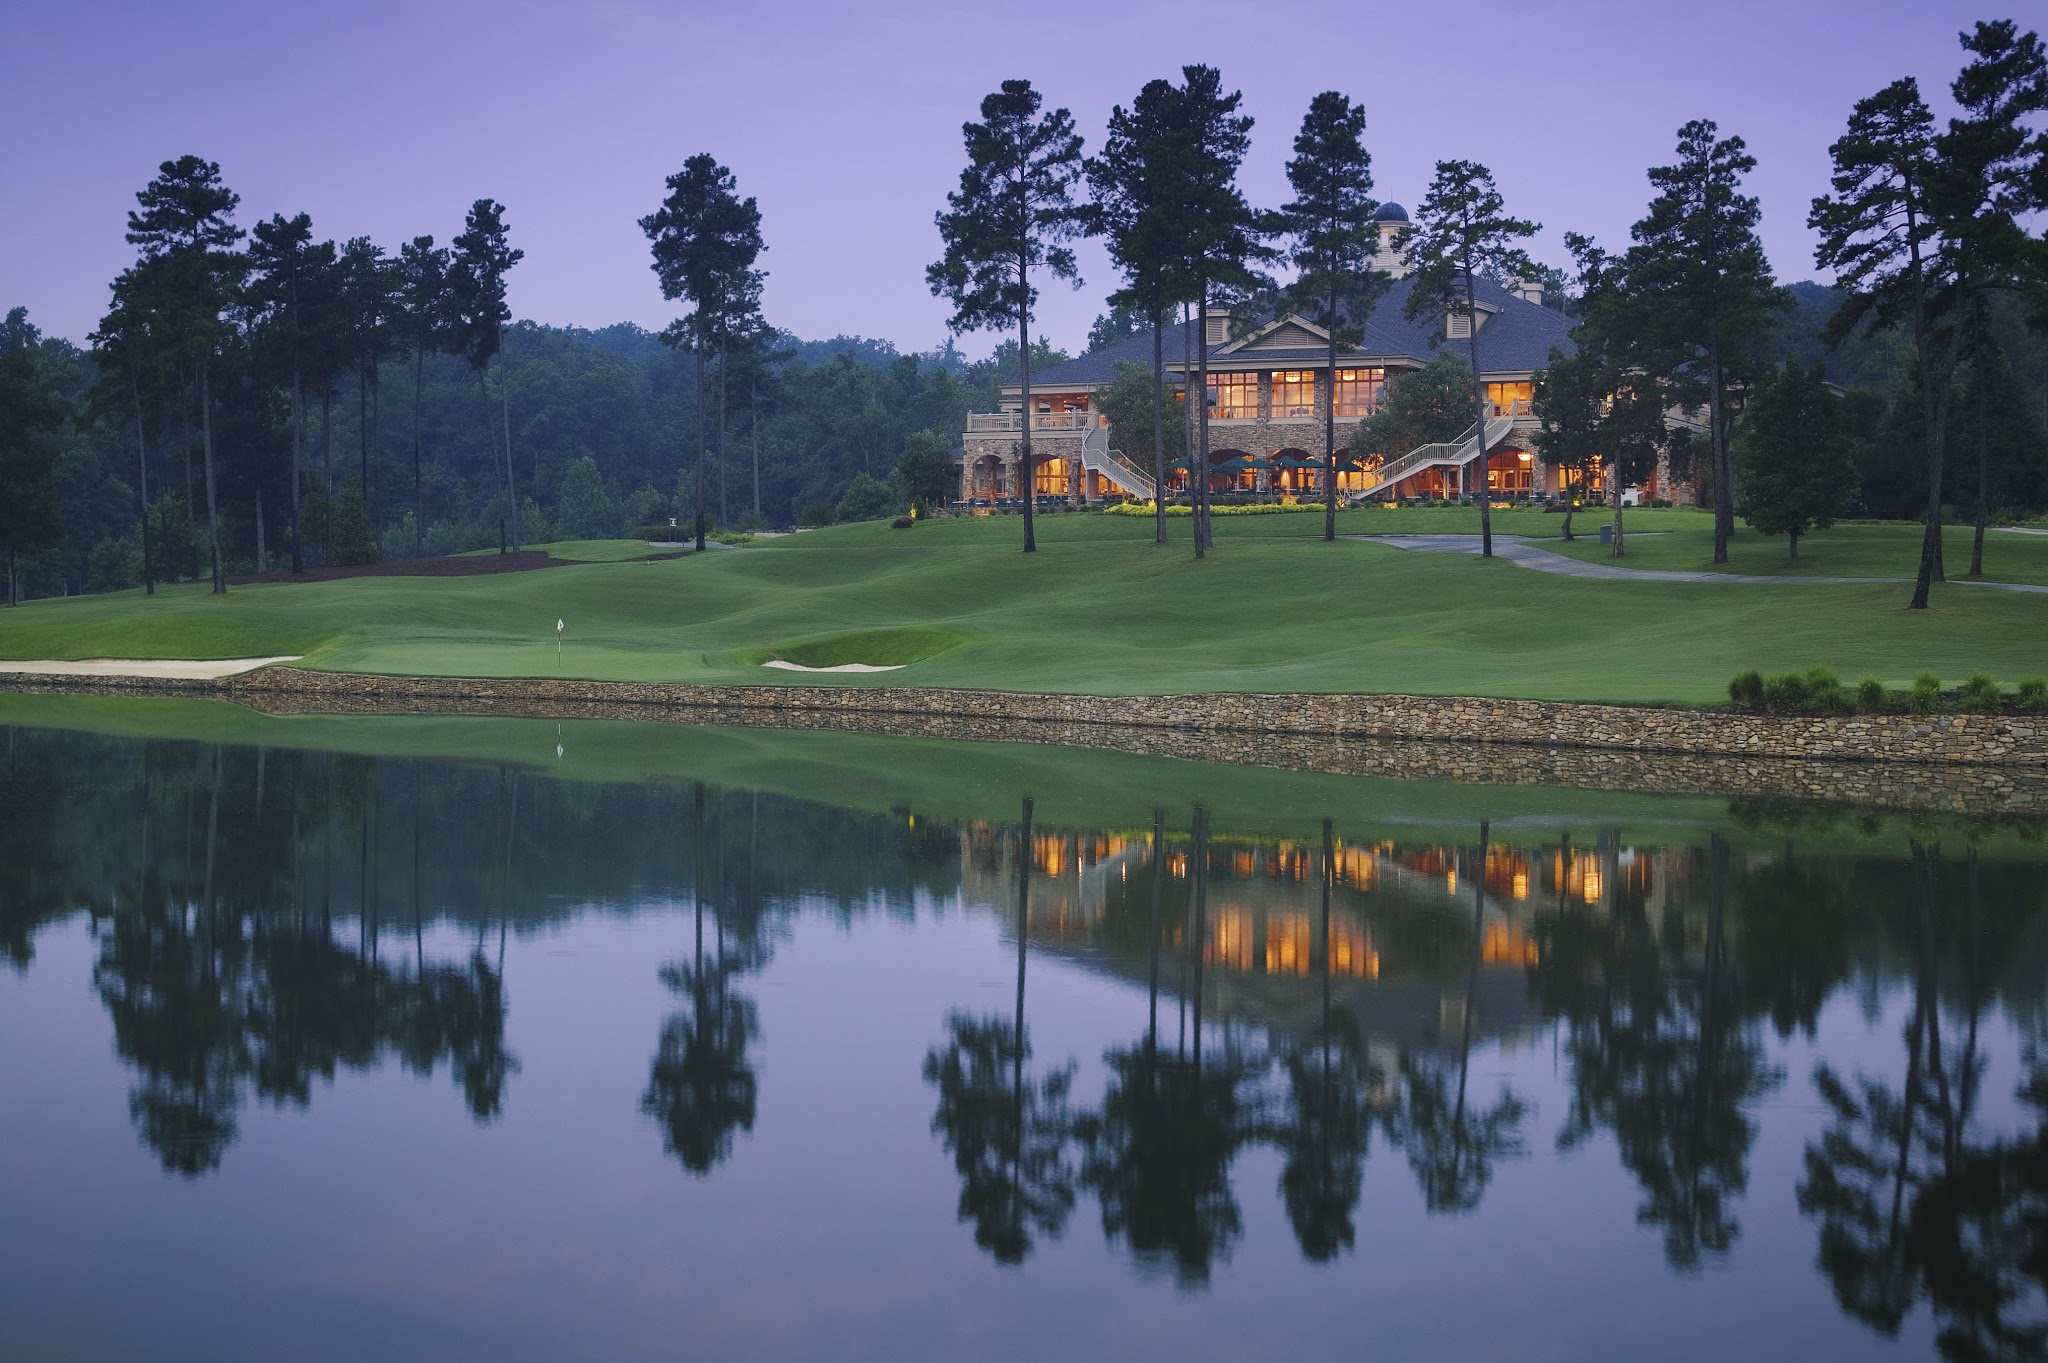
x: 981, y: 422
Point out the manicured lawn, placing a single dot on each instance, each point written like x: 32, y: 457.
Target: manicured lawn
x: 1099, y: 609
x: 1685, y: 541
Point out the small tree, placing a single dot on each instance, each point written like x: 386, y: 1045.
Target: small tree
x: 1462, y: 231
x: 1570, y: 393
x: 1330, y: 222
x: 1130, y: 402
x: 1425, y: 406
x: 1798, y: 464
x: 583, y: 509
x: 1013, y: 213
x: 925, y: 470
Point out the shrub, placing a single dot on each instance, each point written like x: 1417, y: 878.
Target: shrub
x: 815, y: 512
x: 2032, y: 694
x: 902, y: 523
x: 1925, y: 695
x: 1870, y: 696
x: 1787, y: 692
x: 1981, y: 694
x: 1747, y: 688
x: 869, y: 499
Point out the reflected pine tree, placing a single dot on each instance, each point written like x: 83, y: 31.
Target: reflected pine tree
x: 1007, y: 1133
x: 1159, y: 1150
x: 1666, y: 1062
x: 1912, y: 1202
x: 1453, y: 1145
x: 701, y: 1087
x: 216, y: 995
x: 1330, y: 1120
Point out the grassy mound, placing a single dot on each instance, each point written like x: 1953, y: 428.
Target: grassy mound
x: 875, y: 647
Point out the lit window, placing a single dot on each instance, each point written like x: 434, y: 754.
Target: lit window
x: 1294, y: 393
x: 1237, y: 395
x: 1359, y: 391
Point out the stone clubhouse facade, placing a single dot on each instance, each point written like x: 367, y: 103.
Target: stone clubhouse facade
x: 1265, y: 414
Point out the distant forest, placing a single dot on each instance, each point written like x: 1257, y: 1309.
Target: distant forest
x: 603, y: 431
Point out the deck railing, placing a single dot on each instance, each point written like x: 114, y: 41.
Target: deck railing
x: 981, y: 422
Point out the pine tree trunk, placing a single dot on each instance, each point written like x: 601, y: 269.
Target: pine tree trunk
x: 1027, y: 475
x: 505, y: 407
x: 1983, y: 472
x: 1330, y: 433
x: 724, y: 506
x: 1198, y: 467
x: 1159, y: 427
x: 298, y: 457
x: 142, y: 470
x: 1793, y: 545
x: 363, y: 428
x: 220, y: 581
x: 483, y: 390
x: 1615, y: 494
x: 13, y: 591
x: 697, y: 401
x: 754, y: 435
x: 1571, y: 499
x: 327, y: 462
x: 1479, y: 422
x: 262, y: 558
x: 1717, y: 437
x: 419, y: 374
x: 376, y: 493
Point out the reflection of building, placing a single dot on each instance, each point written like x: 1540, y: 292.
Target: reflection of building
x: 1399, y: 942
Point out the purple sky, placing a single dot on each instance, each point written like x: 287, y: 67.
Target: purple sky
x: 387, y: 119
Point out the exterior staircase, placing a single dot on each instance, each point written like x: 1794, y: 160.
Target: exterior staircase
x: 1098, y: 457
x: 1453, y: 453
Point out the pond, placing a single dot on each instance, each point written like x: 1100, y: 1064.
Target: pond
x: 349, y: 1038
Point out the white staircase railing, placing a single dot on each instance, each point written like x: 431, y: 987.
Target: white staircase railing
x: 1458, y: 453
x: 1097, y: 456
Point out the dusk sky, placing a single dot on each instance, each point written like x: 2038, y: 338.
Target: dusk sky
x: 844, y: 120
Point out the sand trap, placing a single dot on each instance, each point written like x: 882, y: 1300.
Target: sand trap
x: 196, y: 669
x: 843, y: 667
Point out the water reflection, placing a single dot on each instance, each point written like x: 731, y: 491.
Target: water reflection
x: 1369, y: 1011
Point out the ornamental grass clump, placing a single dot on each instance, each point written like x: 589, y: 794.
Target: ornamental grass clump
x: 1747, y: 689
x: 2032, y: 695
x: 1871, y: 697
x: 1981, y: 694
x: 1787, y: 692
x: 1925, y: 695
x: 1825, y: 693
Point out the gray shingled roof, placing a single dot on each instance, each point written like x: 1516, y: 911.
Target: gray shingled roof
x: 1518, y: 338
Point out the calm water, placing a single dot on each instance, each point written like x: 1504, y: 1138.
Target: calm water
x: 319, y: 1056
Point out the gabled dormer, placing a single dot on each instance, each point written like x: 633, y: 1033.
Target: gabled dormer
x: 1455, y: 328
x: 1284, y: 333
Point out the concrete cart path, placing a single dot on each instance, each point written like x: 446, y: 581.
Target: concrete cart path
x: 1521, y: 551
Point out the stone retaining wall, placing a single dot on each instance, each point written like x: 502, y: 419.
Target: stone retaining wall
x: 1966, y: 763
x: 1972, y: 739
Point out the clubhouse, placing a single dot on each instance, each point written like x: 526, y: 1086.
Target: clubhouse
x: 1266, y: 389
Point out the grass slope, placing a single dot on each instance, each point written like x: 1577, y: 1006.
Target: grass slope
x: 1099, y: 609
x: 1685, y: 543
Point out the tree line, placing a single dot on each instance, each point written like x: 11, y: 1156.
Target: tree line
x: 220, y: 344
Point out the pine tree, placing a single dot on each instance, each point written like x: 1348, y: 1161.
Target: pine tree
x: 1012, y: 215
x: 1704, y: 289
x: 1330, y: 222
x: 1461, y: 232
x: 481, y: 258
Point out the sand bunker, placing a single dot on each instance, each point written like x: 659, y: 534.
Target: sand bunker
x: 195, y: 669
x: 842, y: 667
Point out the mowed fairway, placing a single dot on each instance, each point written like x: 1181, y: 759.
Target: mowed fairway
x: 1099, y: 609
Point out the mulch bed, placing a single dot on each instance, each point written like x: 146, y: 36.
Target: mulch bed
x: 464, y: 565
